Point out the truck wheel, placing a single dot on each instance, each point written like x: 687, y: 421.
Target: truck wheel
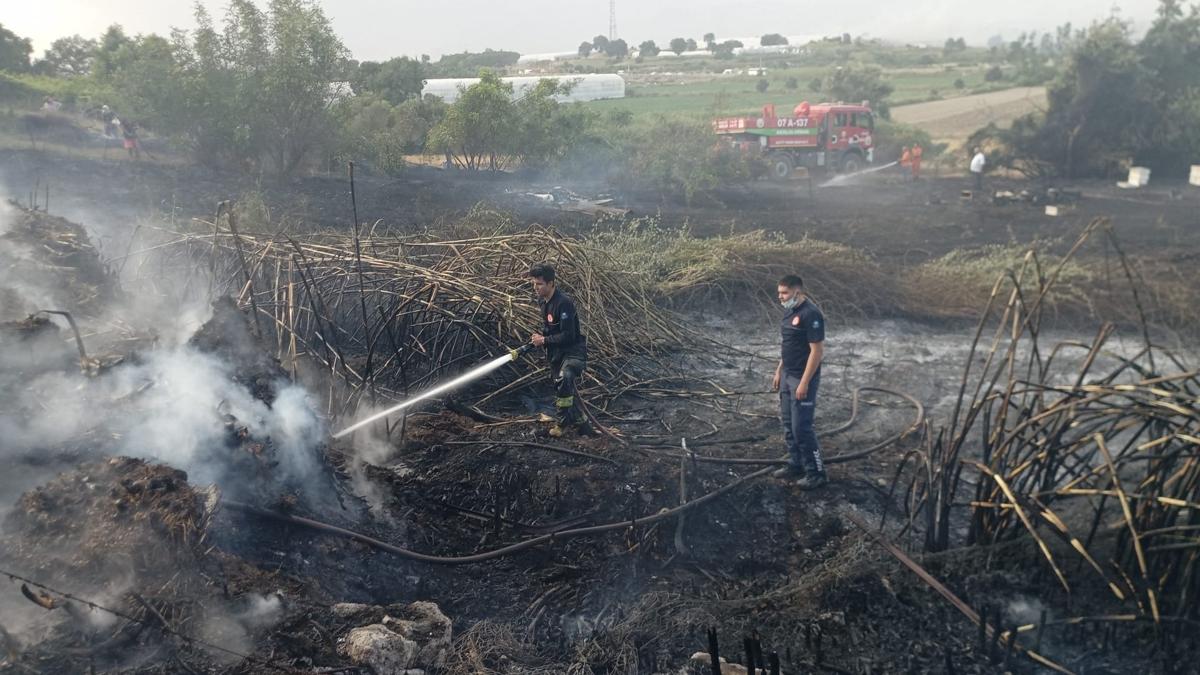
x: 851, y: 163
x: 781, y: 167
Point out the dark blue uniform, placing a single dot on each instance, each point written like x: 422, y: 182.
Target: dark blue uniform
x: 801, y: 326
x: 566, y: 348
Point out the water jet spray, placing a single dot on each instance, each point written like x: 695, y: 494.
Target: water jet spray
x: 469, y: 376
x: 842, y: 178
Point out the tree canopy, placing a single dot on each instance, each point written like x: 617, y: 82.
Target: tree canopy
x: 256, y: 92
x: 485, y: 128
x: 853, y: 85
x: 14, y: 51
x: 1115, y: 101
x: 395, y: 80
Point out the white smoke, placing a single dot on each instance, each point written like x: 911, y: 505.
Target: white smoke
x: 169, y: 408
x: 168, y: 403
x: 261, y: 611
x: 1025, y: 610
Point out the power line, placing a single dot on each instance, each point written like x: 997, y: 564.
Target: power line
x: 160, y: 623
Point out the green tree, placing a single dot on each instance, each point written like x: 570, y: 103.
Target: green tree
x: 14, y: 51
x: 1093, y: 114
x: 547, y: 130
x: 1032, y: 64
x: 678, y: 156
x: 110, y: 44
x: 486, y: 129
x: 678, y: 45
x: 648, y: 48
x: 725, y: 49
x: 68, y: 57
x: 772, y: 40
x: 396, y: 80
x: 710, y: 38
x: 479, y: 127
x: 468, y: 64
x: 762, y: 85
x: 600, y: 43
x: 256, y: 93
x: 617, y: 49
x: 380, y: 135
x: 1170, y: 121
x: 954, y: 45
x: 691, y: 45
x: 585, y: 49
x: 859, y: 84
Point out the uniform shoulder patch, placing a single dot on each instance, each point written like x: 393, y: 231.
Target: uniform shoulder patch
x: 795, y: 321
x: 817, y: 323
x: 549, y: 318
x: 564, y: 316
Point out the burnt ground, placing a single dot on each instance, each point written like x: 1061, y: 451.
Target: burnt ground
x: 763, y: 558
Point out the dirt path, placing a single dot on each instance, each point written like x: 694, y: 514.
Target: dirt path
x: 953, y: 120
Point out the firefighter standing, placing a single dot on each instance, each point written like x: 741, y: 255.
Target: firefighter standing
x: 797, y: 379
x: 917, y: 151
x: 905, y: 160
x: 566, y: 347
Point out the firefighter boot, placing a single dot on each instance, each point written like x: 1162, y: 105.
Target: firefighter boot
x: 562, y: 406
x: 813, y: 481
x: 583, y: 427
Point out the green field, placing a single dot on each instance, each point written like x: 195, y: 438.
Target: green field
x: 693, y: 95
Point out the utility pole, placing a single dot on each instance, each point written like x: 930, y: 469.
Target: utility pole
x: 612, y: 19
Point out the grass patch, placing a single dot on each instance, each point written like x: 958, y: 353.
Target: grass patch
x: 958, y: 284
x: 739, y: 271
x: 742, y: 269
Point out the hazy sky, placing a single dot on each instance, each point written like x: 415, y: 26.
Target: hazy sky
x: 378, y: 29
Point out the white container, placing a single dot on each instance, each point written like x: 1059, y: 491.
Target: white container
x: 1052, y: 210
x: 1139, y: 176
x: 1194, y: 179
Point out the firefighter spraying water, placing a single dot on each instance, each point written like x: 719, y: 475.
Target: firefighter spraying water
x: 566, y: 348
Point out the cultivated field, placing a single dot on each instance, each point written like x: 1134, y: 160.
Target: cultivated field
x: 702, y: 95
x: 953, y: 120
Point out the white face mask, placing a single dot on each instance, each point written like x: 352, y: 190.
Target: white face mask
x: 790, y: 303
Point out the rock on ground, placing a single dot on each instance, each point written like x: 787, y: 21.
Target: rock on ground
x: 396, y: 639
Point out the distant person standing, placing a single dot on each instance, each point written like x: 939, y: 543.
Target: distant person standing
x: 797, y: 379
x: 978, y: 162
x: 130, y: 139
x: 108, y: 117
x: 917, y: 151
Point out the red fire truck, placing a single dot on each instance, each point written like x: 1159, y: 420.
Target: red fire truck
x: 830, y: 136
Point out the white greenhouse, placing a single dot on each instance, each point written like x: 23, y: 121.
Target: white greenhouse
x: 587, y: 87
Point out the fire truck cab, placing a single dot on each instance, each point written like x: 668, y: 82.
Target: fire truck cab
x: 826, y: 136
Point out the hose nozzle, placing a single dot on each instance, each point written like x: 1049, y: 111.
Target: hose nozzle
x: 519, y: 351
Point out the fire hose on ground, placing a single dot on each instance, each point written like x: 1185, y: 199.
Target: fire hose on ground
x: 568, y: 533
